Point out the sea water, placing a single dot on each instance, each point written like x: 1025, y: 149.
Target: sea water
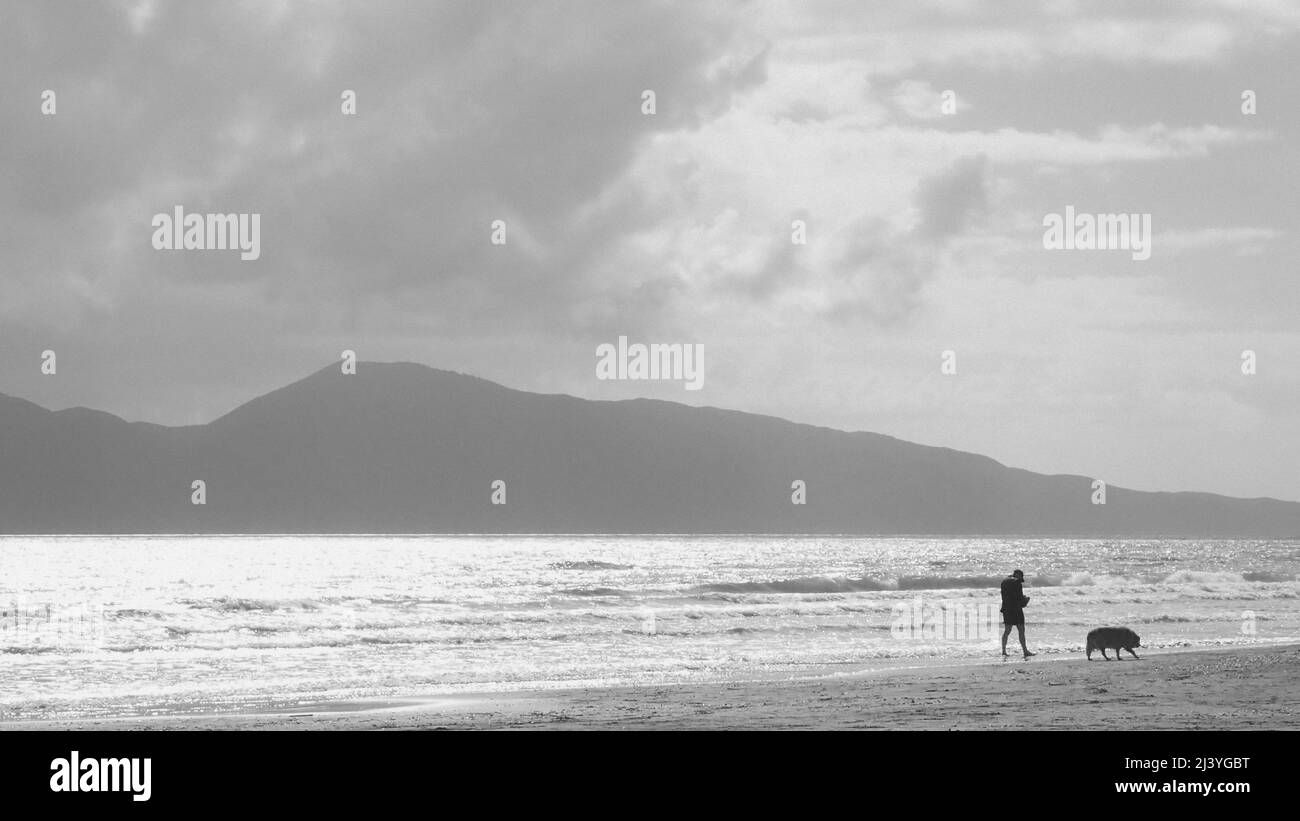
x: 136, y: 625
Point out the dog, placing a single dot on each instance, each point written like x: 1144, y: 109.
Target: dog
x: 1114, y: 638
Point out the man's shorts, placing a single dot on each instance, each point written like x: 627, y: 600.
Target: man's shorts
x: 1013, y: 618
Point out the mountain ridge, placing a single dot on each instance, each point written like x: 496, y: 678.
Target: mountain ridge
x: 406, y: 448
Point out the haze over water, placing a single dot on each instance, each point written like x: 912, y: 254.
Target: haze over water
x: 124, y: 625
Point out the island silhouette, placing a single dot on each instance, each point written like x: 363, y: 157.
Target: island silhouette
x: 404, y: 448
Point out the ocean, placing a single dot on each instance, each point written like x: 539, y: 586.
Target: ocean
x: 115, y: 626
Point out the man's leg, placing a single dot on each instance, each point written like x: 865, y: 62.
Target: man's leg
x: 1020, y: 629
x: 1005, y: 632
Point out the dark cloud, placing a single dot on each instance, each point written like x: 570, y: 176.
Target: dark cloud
x: 379, y: 223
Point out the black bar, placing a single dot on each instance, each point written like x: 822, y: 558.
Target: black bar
x: 548, y: 772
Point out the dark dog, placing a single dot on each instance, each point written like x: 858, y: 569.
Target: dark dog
x: 1114, y: 638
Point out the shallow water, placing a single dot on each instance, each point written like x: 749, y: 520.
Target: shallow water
x: 113, y: 626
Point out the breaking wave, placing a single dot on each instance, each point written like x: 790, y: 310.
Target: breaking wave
x: 589, y: 565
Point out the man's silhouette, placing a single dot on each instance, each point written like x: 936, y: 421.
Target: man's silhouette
x: 1013, y: 609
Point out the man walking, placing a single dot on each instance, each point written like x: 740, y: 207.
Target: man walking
x: 1013, y: 609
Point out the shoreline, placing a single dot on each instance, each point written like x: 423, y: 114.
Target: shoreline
x: 1232, y: 688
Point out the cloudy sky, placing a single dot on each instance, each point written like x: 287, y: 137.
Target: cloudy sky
x: 924, y: 229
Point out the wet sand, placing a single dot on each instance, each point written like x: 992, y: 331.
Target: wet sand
x: 1227, y: 689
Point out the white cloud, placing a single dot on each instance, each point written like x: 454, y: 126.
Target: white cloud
x: 922, y: 101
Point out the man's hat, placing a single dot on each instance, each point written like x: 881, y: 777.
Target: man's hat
x: 1019, y: 574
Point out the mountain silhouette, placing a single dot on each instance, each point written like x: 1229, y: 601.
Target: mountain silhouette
x: 403, y: 448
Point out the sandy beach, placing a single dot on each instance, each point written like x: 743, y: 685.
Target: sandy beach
x: 1227, y: 689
